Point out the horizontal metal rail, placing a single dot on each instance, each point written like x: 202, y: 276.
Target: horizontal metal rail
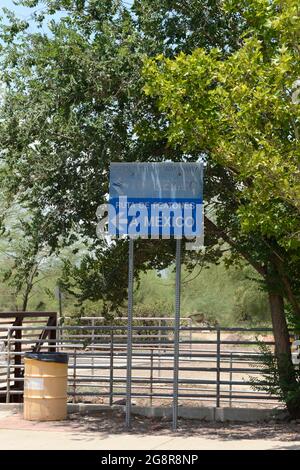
x: 212, y: 367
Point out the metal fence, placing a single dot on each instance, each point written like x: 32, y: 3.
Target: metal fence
x: 215, y: 365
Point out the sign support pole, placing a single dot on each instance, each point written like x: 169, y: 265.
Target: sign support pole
x: 129, y: 333
x: 176, y: 333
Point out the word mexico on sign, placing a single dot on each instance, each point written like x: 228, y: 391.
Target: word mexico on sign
x: 156, y: 200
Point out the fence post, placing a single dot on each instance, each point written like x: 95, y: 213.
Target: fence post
x: 58, y: 331
x: 17, y: 356
x: 191, y: 337
x: 230, y: 379
x: 74, y: 375
x: 151, y: 376
x: 111, y: 374
x: 93, y: 346
x: 159, y: 331
x: 52, y: 335
x: 218, y: 366
x: 8, y: 367
x: 159, y: 346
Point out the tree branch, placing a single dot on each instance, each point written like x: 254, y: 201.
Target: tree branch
x: 211, y: 226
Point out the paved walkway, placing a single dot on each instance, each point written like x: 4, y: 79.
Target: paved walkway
x: 104, y: 431
x: 49, y: 440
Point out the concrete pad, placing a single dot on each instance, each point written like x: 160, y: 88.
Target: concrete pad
x: 198, y: 413
x: 247, y: 415
x: 242, y: 415
x: 11, y: 407
x: 86, y: 408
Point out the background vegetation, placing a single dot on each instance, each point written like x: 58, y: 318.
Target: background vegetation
x: 228, y: 296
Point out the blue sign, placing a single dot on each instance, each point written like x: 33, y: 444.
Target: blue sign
x: 156, y: 199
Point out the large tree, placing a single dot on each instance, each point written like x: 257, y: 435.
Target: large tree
x: 74, y: 102
x: 239, y: 112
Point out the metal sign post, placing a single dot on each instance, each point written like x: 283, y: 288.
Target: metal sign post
x: 156, y: 200
x: 129, y: 332
x: 176, y: 333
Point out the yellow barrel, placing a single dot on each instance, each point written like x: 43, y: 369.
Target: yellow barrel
x: 45, y: 386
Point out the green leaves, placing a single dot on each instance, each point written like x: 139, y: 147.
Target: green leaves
x: 240, y: 110
x: 75, y: 102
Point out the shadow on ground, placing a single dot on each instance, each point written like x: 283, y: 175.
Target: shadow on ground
x: 112, y: 422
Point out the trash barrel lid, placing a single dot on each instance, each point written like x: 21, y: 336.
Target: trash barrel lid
x: 48, y: 356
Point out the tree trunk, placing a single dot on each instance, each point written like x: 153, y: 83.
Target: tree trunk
x: 25, y: 300
x: 28, y: 287
x: 280, y: 328
x: 286, y: 372
x: 287, y: 284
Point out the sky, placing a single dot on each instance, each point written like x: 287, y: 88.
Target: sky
x: 23, y: 13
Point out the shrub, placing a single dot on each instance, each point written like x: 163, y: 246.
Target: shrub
x: 285, y: 387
